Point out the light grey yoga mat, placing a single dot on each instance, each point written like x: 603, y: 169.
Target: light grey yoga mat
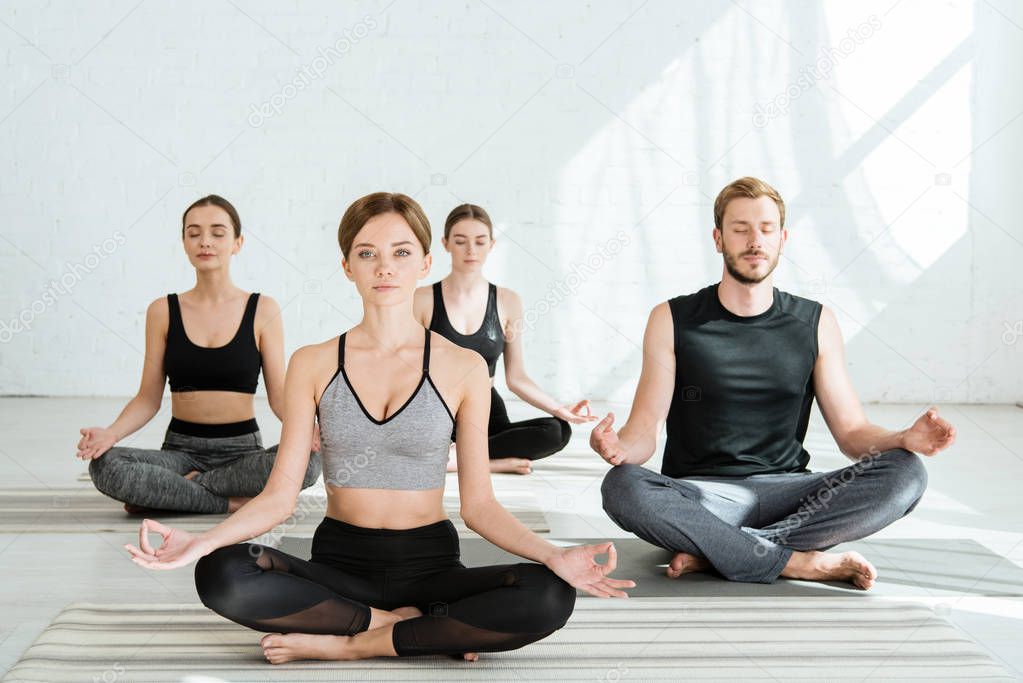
x: 605, y: 640
x: 910, y: 568
x: 85, y: 510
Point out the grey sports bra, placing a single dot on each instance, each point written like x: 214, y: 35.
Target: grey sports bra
x: 408, y: 450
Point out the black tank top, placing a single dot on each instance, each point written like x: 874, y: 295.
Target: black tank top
x: 487, y: 341
x: 232, y: 367
x: 743, y: 386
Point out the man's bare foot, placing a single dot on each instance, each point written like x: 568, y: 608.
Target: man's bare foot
x: 279, y: 648
x: 817, y: 566
x: 192, y: 475
x: 511, y: 466
x: 684, y: 563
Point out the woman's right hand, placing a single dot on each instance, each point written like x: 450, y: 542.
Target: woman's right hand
x: 177, y: 549
x: 95, y: 442
x: 604, y: 441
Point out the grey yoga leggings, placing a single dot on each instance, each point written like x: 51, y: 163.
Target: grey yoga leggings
x: 235, y: 465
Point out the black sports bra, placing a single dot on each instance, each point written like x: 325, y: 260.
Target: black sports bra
x: 232, y: 367
x: 487, y: 341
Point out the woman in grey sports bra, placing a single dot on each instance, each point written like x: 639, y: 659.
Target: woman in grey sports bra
x: 385, y: 577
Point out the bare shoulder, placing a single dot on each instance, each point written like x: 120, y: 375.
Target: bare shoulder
x: 158, y: 313
x: 422, y: 294
x: 449, y: 361
x: 266, y: 305
x: 508, y: 299
x: 829, y: 334
x: 314, y: 359
x: 158, y: 307
x: 827, y: 317
x: 660, y: 317
x: 509, y: 309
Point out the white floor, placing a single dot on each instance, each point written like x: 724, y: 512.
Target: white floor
x: 973, y: 494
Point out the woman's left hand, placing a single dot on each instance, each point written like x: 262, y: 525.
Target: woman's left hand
x: 578, y: 566
x: 576, y: 413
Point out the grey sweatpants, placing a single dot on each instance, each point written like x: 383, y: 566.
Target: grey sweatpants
x: 747, y: 527
x: 228, y: 466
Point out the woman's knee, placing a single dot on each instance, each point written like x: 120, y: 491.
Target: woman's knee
x: 565, y: 434
x: 102, y: 470
x: 551, y: 600
x: 218, y: 575
x: 552, y: 435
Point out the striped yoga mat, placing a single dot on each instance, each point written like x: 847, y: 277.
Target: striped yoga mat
x: 644, y: 639
x: 85, y: 510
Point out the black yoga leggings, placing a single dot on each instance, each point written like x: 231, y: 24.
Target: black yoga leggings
x: 477, y: 609
x: 530, y: 439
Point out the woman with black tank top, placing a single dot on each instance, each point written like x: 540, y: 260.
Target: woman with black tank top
x: 452, y: 308
x: 385, y: 577
x: 212, y: 459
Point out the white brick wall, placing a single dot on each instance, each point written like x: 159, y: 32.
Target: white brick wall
x: 570, y: 122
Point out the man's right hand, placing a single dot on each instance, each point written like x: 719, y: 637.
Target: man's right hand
x: 604, y: 441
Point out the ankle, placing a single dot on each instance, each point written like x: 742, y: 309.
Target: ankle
x: 800, y: 563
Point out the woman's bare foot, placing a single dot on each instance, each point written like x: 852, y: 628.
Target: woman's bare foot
x: 407, y: 612
x: 279, y: 648
x: 235, y: 502
x: 817, y: 566
x: 501, y: 466
x: 684, y: 563
x: 511, y: 466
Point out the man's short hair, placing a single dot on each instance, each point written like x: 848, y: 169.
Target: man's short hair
x: 746, y: 187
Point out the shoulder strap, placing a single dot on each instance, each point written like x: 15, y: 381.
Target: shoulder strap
x: 440, y: 314
x: 173, y: 313
x: 492, y: 297
x: 426, y: 354
x: 250, y: 308
x: 341, y: 350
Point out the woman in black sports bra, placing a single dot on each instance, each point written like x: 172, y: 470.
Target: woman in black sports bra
x: 212, y: 459
x: 385, y: 576
x: 452, y: 306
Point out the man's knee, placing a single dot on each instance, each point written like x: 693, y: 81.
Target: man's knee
x: 906, y: 477
x: 621, y: 490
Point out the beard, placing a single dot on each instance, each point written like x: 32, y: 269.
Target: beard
x: 734, y: 261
